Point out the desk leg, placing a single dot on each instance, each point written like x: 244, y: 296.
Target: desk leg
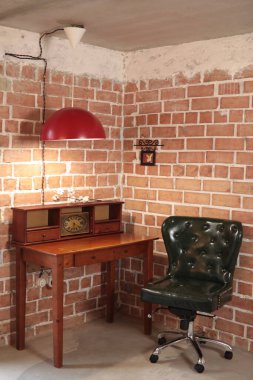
x: 20, y: 299
x: 110, y: 290
x: 57, y: 278
x: 148, y: 275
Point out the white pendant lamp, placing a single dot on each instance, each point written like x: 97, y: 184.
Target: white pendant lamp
x: 74, y: 34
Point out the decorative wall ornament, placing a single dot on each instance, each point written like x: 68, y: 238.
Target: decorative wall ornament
x: 148, y: 151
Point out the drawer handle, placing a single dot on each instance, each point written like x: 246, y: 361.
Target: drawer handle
x: 44, y: 235
x: 93, y: 257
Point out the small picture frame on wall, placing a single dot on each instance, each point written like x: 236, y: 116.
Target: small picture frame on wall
x: 148, y: 157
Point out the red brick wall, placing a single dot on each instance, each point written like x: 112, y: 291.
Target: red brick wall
x: 91, y: 167
x: 204, y: 168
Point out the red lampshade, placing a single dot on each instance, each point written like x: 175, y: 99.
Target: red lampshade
x: 72, y: 124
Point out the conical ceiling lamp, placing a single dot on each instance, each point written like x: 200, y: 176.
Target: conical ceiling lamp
x: 74, y: 34
x: 72, y: 124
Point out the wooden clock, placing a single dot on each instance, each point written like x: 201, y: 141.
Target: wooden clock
x: 75, y: 223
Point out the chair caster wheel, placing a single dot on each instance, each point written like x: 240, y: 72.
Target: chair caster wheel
x: 154, y: 358
x: 161, y: 341
x: 199, y: 368
x: 228, y: 355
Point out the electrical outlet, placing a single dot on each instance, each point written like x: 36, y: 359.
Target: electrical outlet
x: 41, y: 282
x: 50, y: 282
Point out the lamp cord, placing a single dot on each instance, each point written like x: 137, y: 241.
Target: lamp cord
x: 40, y: 58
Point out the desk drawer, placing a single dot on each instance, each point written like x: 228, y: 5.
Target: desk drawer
x: 106, y: 227
x: 87, y: 258
x: 42, y: 235
x: 129, y: 250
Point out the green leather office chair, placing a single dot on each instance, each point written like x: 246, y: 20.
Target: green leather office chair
x: 202, y: 254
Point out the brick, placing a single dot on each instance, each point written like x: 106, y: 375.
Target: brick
x: 220, y: 116
x: 200, y: 143
x: 177, y: 118
x: 204, y: 103
x: 100, y: 107
x: 191, y: 157
x: 245, y: 289
x: 236, y: 116
x: 206, y: 117
x: 27, y: 113
x: 27, y: 199
x: 191, y: 117
x: 165, y: 118
x: 235, y: 102
x: 152, y: 119
x: 221, y: 171
x: 248, y: 202
x: 146, y: 194
x: 226, y: 200
x: 176, y: 105
x: 16, y: 156
x: 191, y: 131
x: 248, y: 86
x: 229, y: 88
x: 159, y: 83
x: 166, y: 132
x: 26, y: 86
x: 248, y: 115
x: 220, y: 130
x: 71, y: 155
x: 166, y: 157
x: 106, y: 96
x: 150, y: 107
x: 245, y: 130
x: 229, y: 144
x: 216, y: 75
x: 161, y: 183
x: 215, y: 213
x: 246, y: 261
x: 200, y: 91
x: 197, y: 198
x: 220, y: 157
x: 244, y: 158
x: 243, y: 187
x: 182, y: 79
x: 173, y: 93
x: 236, y: 173
x: 146, y: 96
x: 186, y: 210
x: 217, y: 186
x: 188, y: 184
x: 243, y: 216
x: 159, y: 208
x: 170, y: 196
x: 135, y: 205
x: 192, y: 170
x: 4, y: 112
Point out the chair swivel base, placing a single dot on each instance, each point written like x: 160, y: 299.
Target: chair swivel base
x: 195, y: 341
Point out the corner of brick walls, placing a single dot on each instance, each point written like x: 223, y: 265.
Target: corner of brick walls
x: 92, y: 168
x: 204, y: 168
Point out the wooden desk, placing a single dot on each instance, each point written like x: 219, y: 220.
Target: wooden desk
x: 73, y: 253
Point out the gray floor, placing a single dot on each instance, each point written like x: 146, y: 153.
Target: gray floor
x: 101, y: 351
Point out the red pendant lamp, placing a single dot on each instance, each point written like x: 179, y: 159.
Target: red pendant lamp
x: 72, y: 124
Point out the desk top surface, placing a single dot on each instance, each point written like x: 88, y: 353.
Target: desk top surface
x: 73, y: 246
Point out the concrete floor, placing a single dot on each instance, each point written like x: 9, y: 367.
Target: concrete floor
x: 101, y: 351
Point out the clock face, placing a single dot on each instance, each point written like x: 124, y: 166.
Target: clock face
x: 72, y: 224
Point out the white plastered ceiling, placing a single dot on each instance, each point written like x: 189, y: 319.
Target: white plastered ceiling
x: 127, y: 25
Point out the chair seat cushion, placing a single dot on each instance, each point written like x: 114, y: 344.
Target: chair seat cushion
x: 187, y: 293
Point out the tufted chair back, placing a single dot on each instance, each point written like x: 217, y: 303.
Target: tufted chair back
x: 202, y: 248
